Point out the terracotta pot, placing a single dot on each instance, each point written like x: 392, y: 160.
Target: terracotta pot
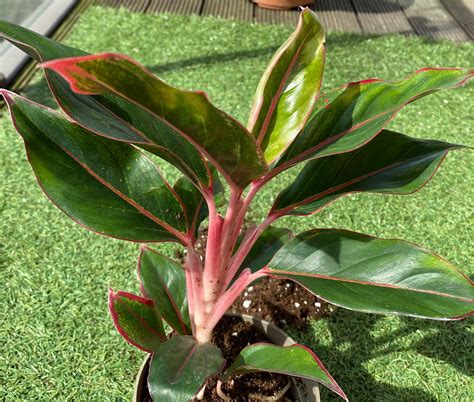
x: 282, y: 4
x: 303, y: 390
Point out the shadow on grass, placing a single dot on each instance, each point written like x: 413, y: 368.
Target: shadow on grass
x: 352, y: 344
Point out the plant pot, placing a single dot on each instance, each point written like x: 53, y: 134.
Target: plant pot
x: 303, y: 390
x: 282, y: 4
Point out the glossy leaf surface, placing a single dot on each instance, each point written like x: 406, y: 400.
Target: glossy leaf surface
x: 180, y: 367
x: 363, y: 273
x: 228, y: 145
x: 267, y: 244
x: 105, y: 185
x: 391, y: 163
x: 364, y: 108
x: 296, y: 360
x: 136, y: 320
x: 109, y: 116
x: 163, y: 281
x: 288, y: 87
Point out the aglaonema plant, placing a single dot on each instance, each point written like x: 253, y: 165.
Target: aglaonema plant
x: 90, y: 162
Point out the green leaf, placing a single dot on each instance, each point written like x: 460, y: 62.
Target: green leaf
x: 180, y: 367
x: 391, y: 163
x: 223, y: 140
x: 136, y: 320
x: 288, y: 88
x: 363, y: 273
x: 109, y: 116
x: 163, y: 281
x: 267, y: 244
x: 106, y: 186
x: 362, y: 110
x: 296, y: 360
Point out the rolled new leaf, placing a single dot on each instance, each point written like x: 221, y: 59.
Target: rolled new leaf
x: 296, y: 360
x: 106, y: 186
x: 136, y: 320
x: 180, y: 367
x: 288, y: 88
x: 391, y: 163
x: 108, y: 116
x: 363, y: 273
x: 362, y: 110
x: 228, y: 145
x: 163, y: 281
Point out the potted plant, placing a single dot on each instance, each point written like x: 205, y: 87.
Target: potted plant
x: 92, y: 166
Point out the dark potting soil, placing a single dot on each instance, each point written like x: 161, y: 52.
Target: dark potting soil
x: 231, y: 335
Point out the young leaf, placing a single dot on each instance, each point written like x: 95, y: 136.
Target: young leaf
x: 296, y: 360
x: 288, y: 88
x: 107, y: 186
x: 391, y: 163
x: 180, y: 367
x: 363, y: 273
x: 228, y: 145
x: 109, y: 116
x: 362, y: 110
x: 163, y: 281
x: 136, y: 320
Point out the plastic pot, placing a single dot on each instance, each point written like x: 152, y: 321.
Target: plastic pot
x: 282, y: 4
x: 303, y: 390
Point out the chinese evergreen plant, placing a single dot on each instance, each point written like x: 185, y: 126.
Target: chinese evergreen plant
x: 89, y: 161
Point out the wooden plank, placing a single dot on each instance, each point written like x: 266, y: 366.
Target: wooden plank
x: 136, y: 5
x: 337, y: 15
x: 267, y: 16
x: 430, y: 19
x: 233, y: 9
x: 463, y: 12
x: 381, y: 17
x: 184, y: 7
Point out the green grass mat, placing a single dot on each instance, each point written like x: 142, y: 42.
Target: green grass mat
x: 58, y: 342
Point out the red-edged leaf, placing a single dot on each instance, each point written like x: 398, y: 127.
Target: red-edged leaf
x: 163, y: 281
x: 288, y: 88
x: 224, y: 141
x: 180, y: 367
x: 109, y: 116
x: 363, y: 273
x: 391, y: 163
x: 296, y: 360
x: 136, y: 320
x: 362, y: 109
x: 107, y: 186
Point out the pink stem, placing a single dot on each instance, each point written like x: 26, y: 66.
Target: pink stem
x: 226, y: 300
x: 194, y: 284
x: 247, y: 243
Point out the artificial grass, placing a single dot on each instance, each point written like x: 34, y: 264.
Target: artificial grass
x: 58, y: 342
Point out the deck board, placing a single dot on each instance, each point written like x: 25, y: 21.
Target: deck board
x: 233, y: 9
x: 185, y: 7
x: 266, y: 16
x: 430, y: 19
x: 380, y: 17
x: 337, y: 15
x: 463, y: 12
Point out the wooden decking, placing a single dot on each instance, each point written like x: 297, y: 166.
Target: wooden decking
x: 434, y: 19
